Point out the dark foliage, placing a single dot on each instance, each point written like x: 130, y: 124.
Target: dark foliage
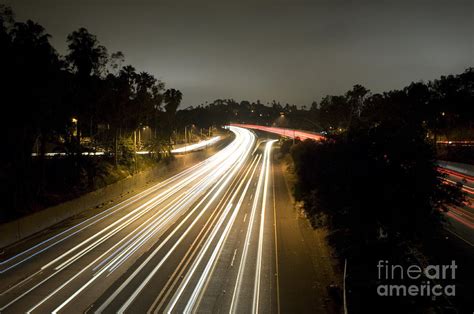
x: 376, y: 187
x: 82, y: 102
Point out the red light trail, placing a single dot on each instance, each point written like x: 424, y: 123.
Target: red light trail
x: 291, y: 133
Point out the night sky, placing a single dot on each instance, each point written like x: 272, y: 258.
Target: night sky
x: 291, y: 51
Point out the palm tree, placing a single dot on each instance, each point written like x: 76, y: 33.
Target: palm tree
x: 172, y: 98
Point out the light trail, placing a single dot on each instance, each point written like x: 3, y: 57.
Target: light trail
x: 167, y: 214
x: 221, y: 167
x: 235, y: 161
x: 216, y: 174
x: 243, y: 260
x: 61, y: 267
x: 206, y: 247
x: 186, y: 149
x: 197, y: 146
x: 138, y: 212
x: 456, y: 174
x: 465, y: 188
x: 290, y: 133
x: 93, y: 220
x: 193, y: 302
x: 256, y: 295
x: 461, y: 217
x: 128, y: 302
x: 197, y: 243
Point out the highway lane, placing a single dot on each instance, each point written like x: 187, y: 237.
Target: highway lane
x: 244, y: 277
x: 201, y: 240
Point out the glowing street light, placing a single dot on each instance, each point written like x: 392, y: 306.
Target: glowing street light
x: 74, y: 122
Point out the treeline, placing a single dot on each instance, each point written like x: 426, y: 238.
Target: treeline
x: 86, y: 100
x: 444, y: 106
x: 374, y: 183
x: 225, y: 111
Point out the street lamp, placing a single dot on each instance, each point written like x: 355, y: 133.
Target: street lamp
x: 186, y: 137
x: 74, y: 122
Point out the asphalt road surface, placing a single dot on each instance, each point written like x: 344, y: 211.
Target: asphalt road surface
x: 203, y: 240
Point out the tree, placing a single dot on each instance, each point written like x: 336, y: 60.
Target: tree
x: 53, y: 101
x: 116, y: 60
x: 356, y: 100
x: 334, y: 112
x: 172, y: 99
x: 86, y: 56
x: 30, y: 79
x: 375, y: 186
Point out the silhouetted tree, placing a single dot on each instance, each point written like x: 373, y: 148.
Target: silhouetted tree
x: 30, y: 68
x: 86, y: 55
x: 54, y: 101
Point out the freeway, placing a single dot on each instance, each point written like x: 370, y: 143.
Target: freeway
x: 203, y: 240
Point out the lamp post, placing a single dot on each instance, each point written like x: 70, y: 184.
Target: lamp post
x: 74, y: 131
x: 139, y: 139
x: 186, y: 137
x: 135, y: 149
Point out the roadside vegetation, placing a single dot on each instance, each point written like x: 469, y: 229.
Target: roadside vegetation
x: 374, y: 183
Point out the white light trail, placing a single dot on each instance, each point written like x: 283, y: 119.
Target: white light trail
x: 256, y: 291
x: 217, y: 248
x: 93, y: 220
x: 235, y: 161
x: 242, y: 157
x: 220, y: 168
x: 197, y: 146
x: 243, y: 260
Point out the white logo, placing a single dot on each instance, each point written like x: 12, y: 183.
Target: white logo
x: 435, y: 284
